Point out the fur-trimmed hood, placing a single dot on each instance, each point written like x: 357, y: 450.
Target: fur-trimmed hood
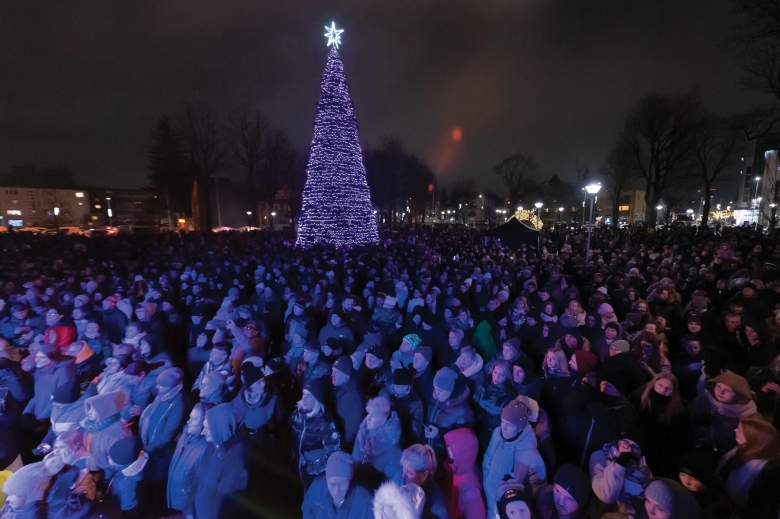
x: 390, y: 495
x: 136, y: 467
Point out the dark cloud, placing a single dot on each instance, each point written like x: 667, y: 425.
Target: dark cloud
x: 83, y: 82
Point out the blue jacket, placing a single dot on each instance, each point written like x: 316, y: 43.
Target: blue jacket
x: 46, y: 381
x: 318, y: 504
x: 158, y: 426
x: 183, y: 469
x: 222, y: 472
x: 123, y: 487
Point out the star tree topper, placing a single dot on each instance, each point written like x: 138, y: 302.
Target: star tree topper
x: 333, y: 35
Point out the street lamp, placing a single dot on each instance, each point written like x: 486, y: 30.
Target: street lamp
x: 538, y: 206
x: 273, y: 213
x: 249, y: 218
x: 560, y: 214
x: 592, y: 190
x: 110, y: 212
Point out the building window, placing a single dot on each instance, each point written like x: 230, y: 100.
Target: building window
x: 94, y: 217
x: 98, y: 206
x: 623, y: 208
x: 14, y: 212
x: 79, y: 194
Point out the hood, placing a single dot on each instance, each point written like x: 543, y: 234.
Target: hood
x: 464, y: 446
x: 735, y: 382
x: 223, y: 422
x: 484, y: 326
x: 459, y: 395
x: 527, y: 364
x: 85, y: 353
x: 106, y: 405
x: 137, y: 466
x: 684, y: 503
x: 390, y: 495
x: 60, y: 335
x: 475, y: 367
x: 526, y: 440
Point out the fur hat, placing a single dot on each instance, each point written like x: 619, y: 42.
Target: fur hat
x: 391, y: 495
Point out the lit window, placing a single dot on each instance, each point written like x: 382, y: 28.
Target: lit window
x: 79, y: 195
x: 623, y: 208
x: 94, y: 217
x: 98, y: 206
x: 14, y: 212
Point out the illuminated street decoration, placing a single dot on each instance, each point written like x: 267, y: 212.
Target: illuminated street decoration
x: 333, y: 35
x: 527, y: 217
x: 337, y: 205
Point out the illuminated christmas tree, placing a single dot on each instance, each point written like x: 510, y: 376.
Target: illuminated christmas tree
x: 337, y: 205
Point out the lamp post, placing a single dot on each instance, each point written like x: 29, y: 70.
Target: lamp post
x: 560, y: 214
x: 249, y: 219
x: 273, y: 213
x: 56, y: 219
x: 592, y: 190
x: 110, y: 212
x: 538, y: 206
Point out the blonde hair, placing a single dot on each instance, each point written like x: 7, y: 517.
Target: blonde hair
x: 421, y: 459
x: 676, y: 405
x: 762, y: 441
x: 563, y: 363
x: 379, y: 403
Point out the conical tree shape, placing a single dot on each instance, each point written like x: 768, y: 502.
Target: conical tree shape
x: 337, y: 205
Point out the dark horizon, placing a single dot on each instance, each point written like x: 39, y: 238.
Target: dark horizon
x: 86, y: 82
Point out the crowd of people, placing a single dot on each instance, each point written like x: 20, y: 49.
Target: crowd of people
x: 436, y: 375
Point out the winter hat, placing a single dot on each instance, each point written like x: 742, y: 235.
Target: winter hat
x: 426, y: 352
x: 568, y: 321
x: 339, y: 465
x: 674, y: 498
x: 344, y: 364
x: 126, y: 450
x: 402, y: 377
x: 445, y: 379
x: 390, y: 302
x: 532, y: 405
x: 575, y: 481
x: 312, y: 346
x: 621, y: 345
x: 413, y: 339
x: 504, y: 293
x: 701, y: 465
x: 509, y: 493
x: 375, y: 350
x: 605, y: 308
x: 170, y: 377
x: 517, y: 414
x: 634, y: 435
x: 251, y: 374
x: 315, y: 387
x: 586, y: 361
x: 67, y: 393
x: 112, y: 300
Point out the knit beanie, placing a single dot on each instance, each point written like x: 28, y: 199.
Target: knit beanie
x: 402, y: 377
x: 315, y: 387
x: 701, y: 465
x: 426, y: 352
x: 312, y: 346
x: 251, y: 374
x: 513, y: 343
x: 621, y: 345
x: 509, y: 493
x: 568, y: 321
x: 660, y: 491
x: 375, y: 350
x: 339, y: 465
x: 586, y: 361
x: 517, y: 414
x: 170, y: 377
x: 344, y: 364
x: 699, y: 304
x: 413, y: 339
x: 575, y: 481
x: 605, y: 308
x: 67, y: 393
x: 125, y: 451
x: 445, y: 379
x: 532, y: 405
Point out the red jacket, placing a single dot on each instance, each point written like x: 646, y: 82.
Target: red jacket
x: 463, y: 488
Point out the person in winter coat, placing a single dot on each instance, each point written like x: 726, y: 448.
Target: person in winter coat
x: 612, y: 332
x: 619, y: 474
x: 350, y: 402
x: 125, y: 477
x: 449, y: 409
x: 418, y: 463
x: 470, y: 364
x: 687, y: 365
x: 752, y: 468
x: 222, y: 470
x: 102, y: 426
x: 404, y: 356
x: 463, y: 487
x: 213, y: 388
x: 162, y: 420
x: 87, y: 362
x: 483, y: 340
x: 67, y: 411
x: 664, y: 420
x: 219, y: 360
x: 407, y: 404
x: 667, y: 498
x: 17, y: 385
x: 375, y: 373
x: 491, y: 398
x: 51, y: 371
x: 557, y: 383
x: 697, y: 474
x: 524, y: 379
x: 337, y: 329
x: 378, y: 440
x: 333, y: 495
x: 198, y: 353
x: 114, y: 320
x: 261, y: 412
x: 512, y: 452
x: 422, y: 373
x: 400, y: 502
x: 315, y: 435
x: 190, y: 447
x: 716, y: 413
x: 311, y: 366
x: 568, y: 496
x: 112, y: 378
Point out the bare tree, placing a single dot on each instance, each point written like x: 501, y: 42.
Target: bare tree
x: 513, y: 170
x: 278, y: 163
x: 246, y: 131
x: 617, y: 172
x: 200, y: 131
x: 657, y: 135
x: 715, y: 145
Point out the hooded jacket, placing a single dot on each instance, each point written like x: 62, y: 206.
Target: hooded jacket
x: 184, y: 467
x: 223, y: 468
x: 410, y: 413
x: 491, y: 399
x: 350, y: 410
x: 46, y: 381
x: 517, y: 458
x: 107, y: 429
x: 715, y: 421
x: 455, y: 412
x: 66, y: 418
x: 381, y: 447
x: 464, y: 493
x: 318, y: 503
x: 390, y: 496
x: 158, y: 426
x: 483, y: 341
x: 315, y: 439
x: 123, y: 487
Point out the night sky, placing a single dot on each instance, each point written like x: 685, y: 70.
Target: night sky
x: 83, y: 82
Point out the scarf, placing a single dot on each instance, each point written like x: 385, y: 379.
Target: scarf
x: 548, y: 318
x: 91, y: 426
x: 731, y: 410
x: 171, y: 393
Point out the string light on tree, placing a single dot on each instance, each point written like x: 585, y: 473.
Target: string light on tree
x: 337, y: 205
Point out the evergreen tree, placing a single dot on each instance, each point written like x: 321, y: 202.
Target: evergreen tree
x: 169, y: 177
x: 336, y: 205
